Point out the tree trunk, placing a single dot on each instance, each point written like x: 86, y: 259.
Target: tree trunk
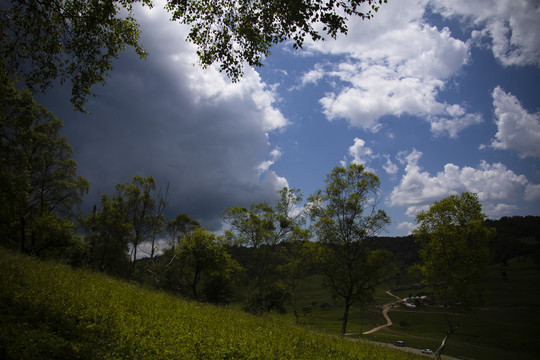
x: 439, y: 351
x: 361, y: 320
x: 101, y: 261
x: 295, y: 310
x: 152, y: 250
x: 451, y: 330
x: 33, y: 239
x: 196, y: 278
x: 23, y: 235
x: 132, y: 267
x: 93, y: 236
x: 345, y: 317
x: 153, y: 263
x: 264, y: 302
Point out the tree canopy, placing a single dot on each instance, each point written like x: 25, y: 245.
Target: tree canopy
x: 205, y: 261
x: 43, y: 41
x: 232, y: 33
x: 39, y: 184
x: 263, y: 227
x: 453, y: 241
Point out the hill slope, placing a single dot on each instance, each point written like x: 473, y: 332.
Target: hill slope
x: 52, y: 311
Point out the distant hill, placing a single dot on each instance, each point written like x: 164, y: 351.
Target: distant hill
x: 515, y: 236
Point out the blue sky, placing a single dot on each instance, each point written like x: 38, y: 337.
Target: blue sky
x: 435, y: 97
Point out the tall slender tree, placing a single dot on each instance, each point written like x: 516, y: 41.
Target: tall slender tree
x: 345, y: 215
x: 170, y: 270
x: 143, y: 206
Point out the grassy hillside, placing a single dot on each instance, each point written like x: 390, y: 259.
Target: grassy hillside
x: 50, y: 311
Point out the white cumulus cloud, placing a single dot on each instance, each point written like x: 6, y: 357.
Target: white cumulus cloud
x: 405, y: 225
x: 360, y: 153
x: 390, y: 167
x: 495, y: 185
x: 516, y: 128
x: 455, y: 121
x: 511, y: 26
x: 312, y: 76
x: 265, y: 165
x: 397, y: 64
x: 532, y: 192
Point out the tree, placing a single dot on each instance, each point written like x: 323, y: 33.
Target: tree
x: 302, y: 258
x: 263, y: 228
x: 42, y: 41
x: 345, y: 216
x: 454, y: 251
x: 142, y: 204
x: 39, y: 185
x: 205, y: 260
x: 169, y: 270
x: 233, y: 32
x: 107, y: 236
x: 178, y: 227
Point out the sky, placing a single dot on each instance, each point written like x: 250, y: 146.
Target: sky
x: 435, y: 97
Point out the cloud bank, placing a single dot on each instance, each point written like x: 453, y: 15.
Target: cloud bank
x: 398, y: 64
x: 193, y: 128
x: 497, y: 186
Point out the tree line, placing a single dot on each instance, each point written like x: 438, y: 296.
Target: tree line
x: 41, y: 191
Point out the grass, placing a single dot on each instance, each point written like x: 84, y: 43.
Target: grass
x: 50, y: 311
x: 319, y: 310
x: 504, y: 328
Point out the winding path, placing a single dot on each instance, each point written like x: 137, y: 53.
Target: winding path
x: 385, y: 308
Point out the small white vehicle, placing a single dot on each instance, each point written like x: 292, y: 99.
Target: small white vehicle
x: 427, y: 351
x: 399, y: 343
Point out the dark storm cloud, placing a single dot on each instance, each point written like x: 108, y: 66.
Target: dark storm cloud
x: 165, y: 118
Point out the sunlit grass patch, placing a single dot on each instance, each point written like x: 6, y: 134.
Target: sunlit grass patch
x: 52, y: 311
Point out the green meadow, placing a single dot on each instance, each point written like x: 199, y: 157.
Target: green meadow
x: 505, y: 327
x: 51, y: 311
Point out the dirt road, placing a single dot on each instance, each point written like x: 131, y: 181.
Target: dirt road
x: 385, y: 308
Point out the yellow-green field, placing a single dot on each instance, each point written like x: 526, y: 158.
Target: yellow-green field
x: 50, y: 311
